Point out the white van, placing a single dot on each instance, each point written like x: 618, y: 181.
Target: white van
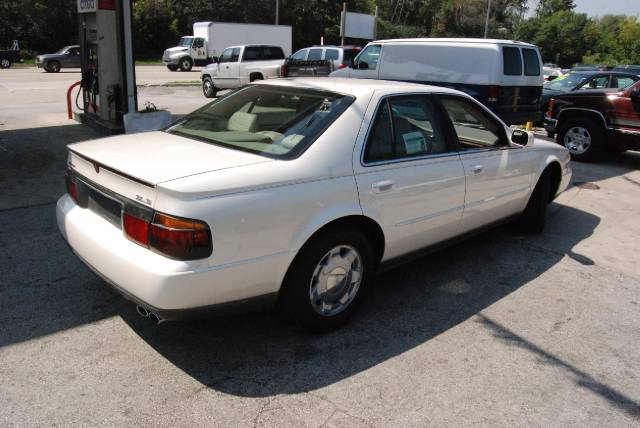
x: 504, y: 75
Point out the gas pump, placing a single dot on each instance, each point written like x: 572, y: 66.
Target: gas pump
x: 108, y: 74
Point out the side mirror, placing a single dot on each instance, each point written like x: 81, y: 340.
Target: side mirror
x: 635, y: 94
x: 362, y: 66
x: 522, y: 138
x: 67, y: 53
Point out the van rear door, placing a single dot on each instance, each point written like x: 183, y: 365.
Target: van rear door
x: 517, y: 99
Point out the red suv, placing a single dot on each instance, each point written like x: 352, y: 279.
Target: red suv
x: 593, y: 121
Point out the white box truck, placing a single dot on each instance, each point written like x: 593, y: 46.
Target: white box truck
x: 211, y: 38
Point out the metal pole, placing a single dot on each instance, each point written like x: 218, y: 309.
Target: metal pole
x: 277, y: 11
x: 486, y: 22
x: 343, y: 23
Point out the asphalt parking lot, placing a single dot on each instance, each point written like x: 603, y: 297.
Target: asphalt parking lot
x: 503, y: 329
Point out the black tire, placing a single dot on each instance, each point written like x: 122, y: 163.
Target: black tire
x: 295, y: 296
x: 172, y: 67
x: 551, y: 134
x: 186, y: 64
x: 596, y: 135
x: 208, y: 88
x: 53, y: 67
x: 533, y: 217
x: 5, y: 63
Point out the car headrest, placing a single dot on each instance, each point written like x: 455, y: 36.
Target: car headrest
x: 240, y: 121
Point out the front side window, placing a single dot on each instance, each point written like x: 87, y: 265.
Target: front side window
x: 512, y: 62
x: 186, y: 42
x: 404, y: 127
x: 273, y: 121
x: 475, y: 128
x: 368, y: 58
x: 531, y: 62
x: 314, y: 54
x: 226, y: 55
x: 598, y: 82
x: 301, y: 55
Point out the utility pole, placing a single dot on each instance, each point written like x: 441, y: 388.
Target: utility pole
x: 277, y: 11
x: 486, y: 22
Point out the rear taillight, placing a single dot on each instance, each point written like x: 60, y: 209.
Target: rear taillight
x: 178, y: 238
x: 136, y: 229
x: 342, y: 66
x: 72, y: 189
x: 552, y: 105
x: 283, y: 70
x: 494, y: 93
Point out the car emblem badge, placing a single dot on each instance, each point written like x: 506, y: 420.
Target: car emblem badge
x: 96, y: 167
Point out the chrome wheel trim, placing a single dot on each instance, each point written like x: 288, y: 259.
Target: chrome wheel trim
x: 577, y: 140
x: 5, y: 63
x: 208, y: 86
x: 336, y: 280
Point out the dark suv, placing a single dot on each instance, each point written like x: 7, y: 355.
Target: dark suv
x: 590, y: 122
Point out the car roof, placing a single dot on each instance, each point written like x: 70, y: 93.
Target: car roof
x: 355, y: 87
x: 594, y: 72
x: 456, y: 40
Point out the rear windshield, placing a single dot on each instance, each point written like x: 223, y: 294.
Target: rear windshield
x: 512, y: 61
x: 273, y: 121
x: 531, y: 62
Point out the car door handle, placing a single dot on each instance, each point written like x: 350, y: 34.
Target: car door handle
x: 382, y: 186
x: 477, y: 169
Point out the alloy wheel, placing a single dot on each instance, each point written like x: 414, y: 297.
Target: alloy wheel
x: 577, y: 139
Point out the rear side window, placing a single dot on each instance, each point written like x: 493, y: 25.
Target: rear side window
x: 251, y: 53
x: 621, y: 82
x: 405, y: 127
x: 273, y: 52
x: 512, y: 61
x: 314, y: 54
x: 531, y: 63
x: 331, y: 54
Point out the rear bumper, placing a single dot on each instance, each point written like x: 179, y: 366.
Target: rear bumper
x: 519, y: 117
x: 173, y: 289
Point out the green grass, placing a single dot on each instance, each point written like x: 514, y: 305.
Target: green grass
x: 148, y: 62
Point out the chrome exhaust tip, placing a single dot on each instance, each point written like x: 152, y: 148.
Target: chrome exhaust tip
x: 142, y: 311
x: 155, y: 318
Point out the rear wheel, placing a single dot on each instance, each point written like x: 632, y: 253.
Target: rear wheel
x: 583, y: 138
x: 186, y: 64
x: 5, y: 63
x: 208, y: 88
x: 533, y: 217
x: 327, y: 280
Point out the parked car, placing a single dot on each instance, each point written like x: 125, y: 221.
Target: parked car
x: 319, y: 60
x: 588, y: 123
x: 633, y: 69
x: 297, y: 190
x: 504, y: 75
x: 551, y: 73
x: 341, y: 56
x: 239, y: 65
x: 591, y: 67
x: 11, y: 55
x: 67, y: 57
x: 585, y: 80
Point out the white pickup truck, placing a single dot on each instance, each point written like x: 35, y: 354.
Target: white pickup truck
x: 239, y: 65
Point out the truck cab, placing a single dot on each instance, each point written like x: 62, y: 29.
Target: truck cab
x: 190, y: 50
x: 239, y: 65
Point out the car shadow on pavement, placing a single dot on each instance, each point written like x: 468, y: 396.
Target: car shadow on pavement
x: 258, y: 355
x: 610, y: 165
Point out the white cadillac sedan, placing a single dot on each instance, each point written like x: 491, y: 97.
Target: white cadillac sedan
x: 296, y: 191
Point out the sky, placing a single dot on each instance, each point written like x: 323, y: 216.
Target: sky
x: 603, y: 7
